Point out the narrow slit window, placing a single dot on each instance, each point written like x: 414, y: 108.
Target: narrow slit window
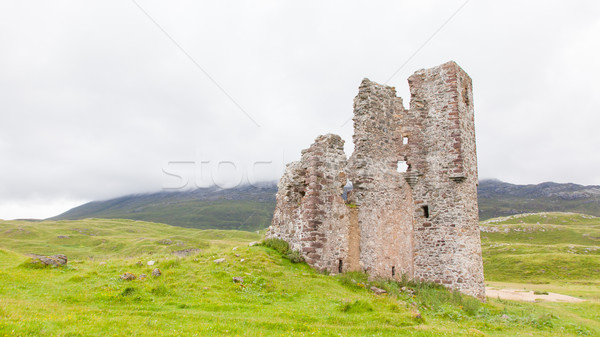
x: 340, y: 267
x: 426, y: 211
x: 393, y: 271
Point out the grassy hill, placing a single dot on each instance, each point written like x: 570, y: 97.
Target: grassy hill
x: 250, y: 208
x: 196, y: 296
x: 247, y: 208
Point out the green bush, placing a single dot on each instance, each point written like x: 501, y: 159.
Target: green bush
x: 295, y: 257
x: 281, y: 246
x: 435, y: 296
x: 128, y: 291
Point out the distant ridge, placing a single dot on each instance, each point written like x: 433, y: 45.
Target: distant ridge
x: 250, y: 208
x: 497, y: 198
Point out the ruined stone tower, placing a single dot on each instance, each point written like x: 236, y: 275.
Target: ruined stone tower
x: 413, y: 207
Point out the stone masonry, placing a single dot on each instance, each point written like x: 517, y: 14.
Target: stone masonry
x: 412, y: 210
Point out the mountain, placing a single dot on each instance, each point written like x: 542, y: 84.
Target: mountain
x: 247, y: 208
x: 250, y: 208
x: 497, y: 198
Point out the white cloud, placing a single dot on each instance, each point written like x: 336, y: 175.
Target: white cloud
x: 96, y: 100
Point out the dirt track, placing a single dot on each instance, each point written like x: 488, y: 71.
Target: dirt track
x: 528, y: 295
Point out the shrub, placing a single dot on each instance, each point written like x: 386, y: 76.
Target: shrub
x: 128, y: 291
x: 435, y: 296
x: 283, y: 248
x: 295, y: 257
x: 278, y: 245
x: 470, y: 305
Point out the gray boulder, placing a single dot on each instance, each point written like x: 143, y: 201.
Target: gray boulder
x: 54, y: 260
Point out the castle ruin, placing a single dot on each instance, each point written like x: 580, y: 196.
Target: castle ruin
x: 412, y: 209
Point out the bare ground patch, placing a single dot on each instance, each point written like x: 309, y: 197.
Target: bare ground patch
x: 528, y: 295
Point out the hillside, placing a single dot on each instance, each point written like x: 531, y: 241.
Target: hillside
x: 251, y: 208
x: 197, y: 296
x: 542, y: 247
x: 247, y: 208
x: 497, y: 198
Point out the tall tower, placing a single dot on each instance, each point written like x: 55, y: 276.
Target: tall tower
x: 439, y: 130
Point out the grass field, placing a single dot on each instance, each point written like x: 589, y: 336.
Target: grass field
x: 195, y: 296
x: 543, y: 248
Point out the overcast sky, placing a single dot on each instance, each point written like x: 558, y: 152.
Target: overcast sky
x: 103, y: 98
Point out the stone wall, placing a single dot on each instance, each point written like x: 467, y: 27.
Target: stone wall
x: 311, y: 214
x: 379, y: 191
x: 421, y: 222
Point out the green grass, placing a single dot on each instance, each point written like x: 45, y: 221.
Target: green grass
x: 542, y: 248
x: 547, y: 252
x: 196, y: 296
x: 244, y: 215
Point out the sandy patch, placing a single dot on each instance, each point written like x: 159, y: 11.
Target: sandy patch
x: 528, y: 295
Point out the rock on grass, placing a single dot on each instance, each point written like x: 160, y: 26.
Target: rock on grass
x: 54, y: 260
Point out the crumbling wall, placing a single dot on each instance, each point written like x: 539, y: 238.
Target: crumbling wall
x: 422, y: 223
x: 311, y: 214
x: 381, y: 195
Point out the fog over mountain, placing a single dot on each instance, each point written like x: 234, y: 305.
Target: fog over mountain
x: 104, y: 99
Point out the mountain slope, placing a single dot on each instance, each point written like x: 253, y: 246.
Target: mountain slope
x: 250, y: 208
x: 497, y: 198
x: 246, y: 208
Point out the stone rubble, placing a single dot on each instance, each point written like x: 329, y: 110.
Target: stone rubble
x: 128, y: 276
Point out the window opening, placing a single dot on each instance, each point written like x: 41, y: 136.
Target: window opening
x: 402, y: 166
